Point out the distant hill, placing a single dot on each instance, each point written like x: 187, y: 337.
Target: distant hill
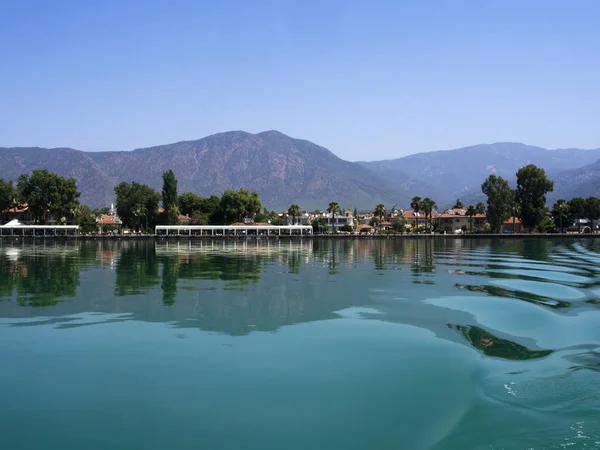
x: 582, y: 182
x: 450, y: 174
x: 282, y: 169
x: 285, y: 170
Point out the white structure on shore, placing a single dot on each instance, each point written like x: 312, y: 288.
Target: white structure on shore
x: 16, y: 228
x: 233, y: 230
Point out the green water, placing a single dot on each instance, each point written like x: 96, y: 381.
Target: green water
x: 370, y: 344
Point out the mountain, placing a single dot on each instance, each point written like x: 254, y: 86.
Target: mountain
x: 582, y: 182
x: 283, y: 170
x: 450, y: 174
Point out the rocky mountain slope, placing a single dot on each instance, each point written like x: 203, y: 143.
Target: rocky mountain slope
x: 283, y: 170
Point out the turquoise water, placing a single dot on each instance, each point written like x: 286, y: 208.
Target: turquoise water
x: 378, y: 344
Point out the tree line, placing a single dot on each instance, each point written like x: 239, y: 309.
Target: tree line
x: 50, y: 196
x: 528, y: 203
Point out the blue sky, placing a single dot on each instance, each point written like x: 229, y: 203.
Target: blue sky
x: 368, y: 80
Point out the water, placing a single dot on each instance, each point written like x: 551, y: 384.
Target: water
x: 378, y: 344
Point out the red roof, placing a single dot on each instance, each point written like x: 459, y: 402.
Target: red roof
x: 106, y: 219
x: 509, y: 221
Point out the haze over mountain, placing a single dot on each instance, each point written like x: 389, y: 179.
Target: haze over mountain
x: 285, y: 170
x: 447, y: 175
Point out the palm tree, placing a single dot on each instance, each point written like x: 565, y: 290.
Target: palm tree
x: 294, y: 211
x: 415, y: 204
x: 333, y: 209
x: 380, y: 212
x: 428, y: 206
x: 515, y: 212
x: 480, y: 208
x: 471, y: 211
x: 458, y: 204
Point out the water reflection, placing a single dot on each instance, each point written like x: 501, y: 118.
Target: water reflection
x: 496, y: 347
x: 239, y: 286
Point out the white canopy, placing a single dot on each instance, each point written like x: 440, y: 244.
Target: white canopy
x: 12, y: 223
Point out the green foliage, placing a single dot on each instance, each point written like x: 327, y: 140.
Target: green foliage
x: 319, y: 225
x: 347, y: 228
x: 546, y: 224
x: 576, y: 209
x: 99, y: 211
x: 7, y: 194
x: 45, y: 191
x: 428, y: 206
x: 169, y: 197
x: 333, y: 209
x: 500, y: 201
x: 238, y: 205
x: 532, y: 187
x: 560, y: 212
x: 480, y: 208
x: 294, y: 212
x: 487, y: 228
x: 84, y: 217
x: 415, y: 204
x: 592, y: 208
x: 399, y: 223
x: 458, y: 204
x: 137, y: 204
x: 380, y: 213
x: 471, y: 211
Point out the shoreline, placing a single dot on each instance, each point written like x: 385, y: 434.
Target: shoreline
x: 152, y: 237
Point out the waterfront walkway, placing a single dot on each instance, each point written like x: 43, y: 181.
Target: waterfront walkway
x: 39, y: 230
x: 233, y: 230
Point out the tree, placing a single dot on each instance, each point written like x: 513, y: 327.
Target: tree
x: 380, y: 213
x: 294, y: 211
x: 480, y: 208
x: 592, y: 207
x: 428, y: 205
x: 135, y: 202
x: 238, y: 205
x: 532, y: 187
x: 560, y: 213
x: 189, y: 203
x: 500, y: 200
x: 415, y: 204
x: 169, y: 197
x: 46, y: 192
x: 319, y: 224
x: 458, y: 204
x: 333, y: 209
x: 471, y: 211
x: 399, y: 223
x: 7, y: 193
x: 84, y: 217
x: 515, y: 210
x: 576, y: 210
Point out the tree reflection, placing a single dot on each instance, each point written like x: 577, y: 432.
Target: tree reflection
x: 496, y: 347
x: 41, y: 279
x: 136, y: 268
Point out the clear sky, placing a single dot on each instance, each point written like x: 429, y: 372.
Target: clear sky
x: 366, y: 79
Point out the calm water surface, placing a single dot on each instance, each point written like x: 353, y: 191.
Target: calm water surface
x: 395, y: 344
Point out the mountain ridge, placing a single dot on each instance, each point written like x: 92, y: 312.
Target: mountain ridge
x: 287, y: 170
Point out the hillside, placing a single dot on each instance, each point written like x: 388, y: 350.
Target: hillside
x: 582, y: 182
x: 450, y: 174
x: 282, y: 169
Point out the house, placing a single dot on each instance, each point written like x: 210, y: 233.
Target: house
x: 414, y: 219
x: 512, y: 225
x: 337, y: 221
x: 456, y: 219
x: 303, y: 219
